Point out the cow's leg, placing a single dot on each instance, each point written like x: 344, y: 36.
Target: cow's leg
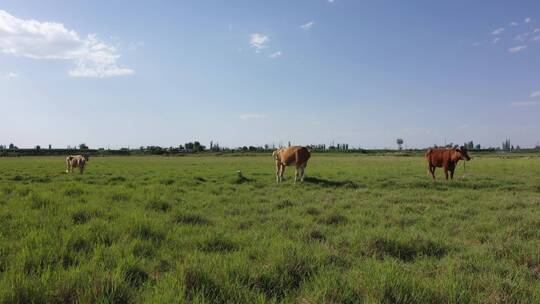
x: 432, y: 171
x: 81, y: 168
x: 446, y: 172
x: 281, y: 171
x: 302, y: 170
x: 296, y: 173
x: 278, y: 169
x: 452, y: 168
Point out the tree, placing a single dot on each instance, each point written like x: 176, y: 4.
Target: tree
x: 83, y: 146
x: 12, y: 147
x: 38, y: 147
x: 506, y: 145
x: 400, y: 142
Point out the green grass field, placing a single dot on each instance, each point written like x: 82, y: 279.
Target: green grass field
x: 188, y: 230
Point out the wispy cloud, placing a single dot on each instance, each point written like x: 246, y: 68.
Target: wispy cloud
x: 331, y: 1
x: 522, y: 37
x: 524, y: 103
x: 496, y: 39
x: 498, y: 31
x: 536, y: 30
x: 527, y: 103
x: 248, y: 116
x: 258, y: 41
x: 517, y: 49
x: 308, y: 25
x: 513, y: 24
x: 135, y: 45
x: 275, y: 55
x: 528, y: 20
x: 51, y: 40
x: 10, y: 75
x: 536, y: 38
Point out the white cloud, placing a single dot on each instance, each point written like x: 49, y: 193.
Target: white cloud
x: 51, y: 40
x: 522, y: 37
x: 496, y: 39
x: 536, y: 38
x: 308, y: 25
x: 517, y: 49
x: 477, y: 43
x: 536, y: 30
x: 513, y: 24
x: 498, y: 31
x: 524, y: 103
x: 259, y: 41
x: 535, y: 94
x: 249, y: 116
x: 10, y: 75
x: 275, y: 55
x: 331, y: 1
x: 528, y: 20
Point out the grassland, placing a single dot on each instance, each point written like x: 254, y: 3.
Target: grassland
x: 188, y: 230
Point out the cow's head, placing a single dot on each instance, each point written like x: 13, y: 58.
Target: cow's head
x: 463, y: 153
x: 86, y: 157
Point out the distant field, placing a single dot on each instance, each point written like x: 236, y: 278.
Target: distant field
x: 188, y: 230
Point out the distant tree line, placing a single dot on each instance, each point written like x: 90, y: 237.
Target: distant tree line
x: 197, y: 147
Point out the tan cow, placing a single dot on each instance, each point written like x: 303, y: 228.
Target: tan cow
x: 297, y: 156
x: 76, y: 161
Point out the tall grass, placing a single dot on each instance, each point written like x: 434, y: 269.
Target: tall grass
x: 189, y: 230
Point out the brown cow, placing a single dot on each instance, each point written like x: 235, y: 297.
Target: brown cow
x: 76, y: 161
x: 295, y: 155
x: 445, y: 158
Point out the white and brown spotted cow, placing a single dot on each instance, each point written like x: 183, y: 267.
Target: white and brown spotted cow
x: 297, y: 156
x: 76, y: 161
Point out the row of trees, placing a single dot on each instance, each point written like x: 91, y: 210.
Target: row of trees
x: 196, y: 146
x: 38, y: 147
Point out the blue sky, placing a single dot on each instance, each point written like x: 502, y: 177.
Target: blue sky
x: 260, y: 72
